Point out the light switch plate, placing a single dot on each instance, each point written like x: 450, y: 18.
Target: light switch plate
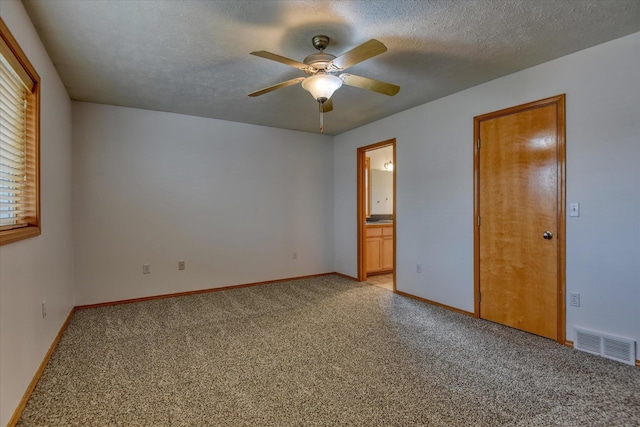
x: 574, y: 209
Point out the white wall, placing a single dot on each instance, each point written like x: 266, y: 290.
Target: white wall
x: 232, y: 200
x: 434, y: 190
x: 379, y: 157
x: 37, y: 269
x: 381, y: 192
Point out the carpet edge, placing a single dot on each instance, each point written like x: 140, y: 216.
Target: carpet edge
x: 36, y: 377
x: 437, y: 304
x: 203, y: 291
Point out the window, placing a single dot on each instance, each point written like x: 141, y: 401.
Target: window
x: 19, y: 142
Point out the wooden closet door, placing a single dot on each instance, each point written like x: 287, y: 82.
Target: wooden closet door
x: 518, y: 206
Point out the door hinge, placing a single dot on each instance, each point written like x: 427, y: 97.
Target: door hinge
x: 479, y: 297
x: 478, y: 143
x: 478, y: 219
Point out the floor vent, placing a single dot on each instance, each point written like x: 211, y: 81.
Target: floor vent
x: 616, y: 348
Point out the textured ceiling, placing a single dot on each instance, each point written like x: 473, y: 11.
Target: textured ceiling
x: 192, y: 57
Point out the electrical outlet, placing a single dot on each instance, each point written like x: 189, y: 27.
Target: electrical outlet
x: 574, y: 299
x: 181, y: 265
x: 44, y: 309
x: 295, y: 255
x: 146, y: 268
x: 418, y: 268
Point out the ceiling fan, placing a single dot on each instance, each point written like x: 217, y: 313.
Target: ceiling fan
x: 325, y: 72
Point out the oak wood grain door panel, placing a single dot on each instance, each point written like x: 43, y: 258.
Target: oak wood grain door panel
x: 374, y: 254
x: 387, y: 252
x: 519, y: 197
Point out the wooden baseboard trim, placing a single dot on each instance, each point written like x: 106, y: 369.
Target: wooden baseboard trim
x: 201, y: 291
x: 437, y: 304
x: 345, y: 276
x: 36, y: 377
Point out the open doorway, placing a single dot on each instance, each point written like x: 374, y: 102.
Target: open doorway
x: 377, y: 214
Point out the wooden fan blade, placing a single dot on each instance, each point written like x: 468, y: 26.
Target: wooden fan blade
x: 281, y: 59
x: 358, y: 54
x: 370, y: 84
x: 278, y: 86
x: 327, y: 106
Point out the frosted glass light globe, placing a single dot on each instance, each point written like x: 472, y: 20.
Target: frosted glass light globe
x: 322, y: 86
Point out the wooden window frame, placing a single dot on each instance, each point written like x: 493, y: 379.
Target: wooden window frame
x: 25, y: 70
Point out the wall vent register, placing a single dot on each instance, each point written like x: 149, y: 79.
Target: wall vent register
x: 609, y: 346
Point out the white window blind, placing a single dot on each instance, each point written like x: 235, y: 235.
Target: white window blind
x: 13, y: 144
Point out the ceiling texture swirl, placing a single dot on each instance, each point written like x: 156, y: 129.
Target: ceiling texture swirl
x: 192, y: 57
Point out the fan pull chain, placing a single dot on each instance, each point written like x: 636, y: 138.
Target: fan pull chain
x: 321, y: 117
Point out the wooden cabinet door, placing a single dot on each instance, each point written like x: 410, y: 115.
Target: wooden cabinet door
x: 387, y: 253
x: 374, y: 254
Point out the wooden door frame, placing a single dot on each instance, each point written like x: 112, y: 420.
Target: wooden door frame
x: 361, y: 219
x: 559, y: 102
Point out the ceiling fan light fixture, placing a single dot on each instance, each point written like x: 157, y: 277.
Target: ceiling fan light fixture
x: 322, y: 86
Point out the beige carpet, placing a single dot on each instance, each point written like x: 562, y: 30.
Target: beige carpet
x: 319, y: 352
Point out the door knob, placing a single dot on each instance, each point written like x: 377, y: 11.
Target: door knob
x: 547, y: 235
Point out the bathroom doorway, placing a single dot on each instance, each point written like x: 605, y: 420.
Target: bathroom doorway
x: 376, y: 200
